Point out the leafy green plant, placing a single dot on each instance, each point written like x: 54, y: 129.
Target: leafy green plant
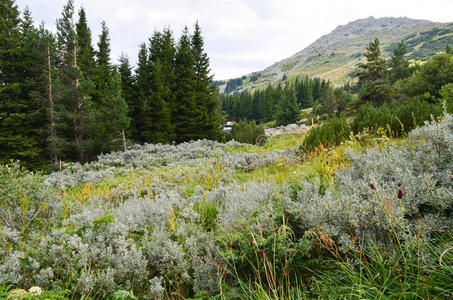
x: 331, y: 133
x: 248, y: 132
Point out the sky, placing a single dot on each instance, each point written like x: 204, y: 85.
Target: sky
x: 241, y: 36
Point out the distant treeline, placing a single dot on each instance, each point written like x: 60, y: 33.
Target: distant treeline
x: 61, y: 98
x: 263, y: 105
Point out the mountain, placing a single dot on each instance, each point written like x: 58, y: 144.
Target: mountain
x: 335, y: 56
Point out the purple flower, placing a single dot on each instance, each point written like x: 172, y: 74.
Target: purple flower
x: 399, y: 184
x: 229, y: 245
x: 372, y: 186
x: 400, y: 194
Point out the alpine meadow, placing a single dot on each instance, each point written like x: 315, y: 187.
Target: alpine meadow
x: 327, y: 175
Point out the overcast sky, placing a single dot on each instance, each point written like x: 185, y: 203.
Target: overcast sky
x: 241, y: 36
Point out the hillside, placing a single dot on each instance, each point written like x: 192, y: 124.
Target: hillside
x: 335, y: 56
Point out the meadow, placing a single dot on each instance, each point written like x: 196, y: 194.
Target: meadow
x: 370, y: 218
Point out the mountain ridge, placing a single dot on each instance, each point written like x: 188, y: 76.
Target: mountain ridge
x: 335, y: 56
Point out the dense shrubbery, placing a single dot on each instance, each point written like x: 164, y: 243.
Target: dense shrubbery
x: 248, y: 132
x: 396, y: 119
x: 331, y: 133
x: 390, y: 120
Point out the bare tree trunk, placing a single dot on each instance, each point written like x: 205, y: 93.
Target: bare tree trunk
x: 124, y: 141
x: 53, y: 136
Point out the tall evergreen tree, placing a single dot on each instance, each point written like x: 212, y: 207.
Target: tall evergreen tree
x: 399, y: 66
x: 205, y: 92
x: 185, y: 116
x: 111, y: 120
x: 103, y: 65
x: 85, y: 49
x: 328, y: 103
x: 127, y: 86
x: 142, y: 88
x: 74, y: 105
x: 20, y: 114
x: 374, y: 87
x: 287, y: 110
x: 161, y: 64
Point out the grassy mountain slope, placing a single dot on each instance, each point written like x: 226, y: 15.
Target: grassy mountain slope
x: 335, y: 56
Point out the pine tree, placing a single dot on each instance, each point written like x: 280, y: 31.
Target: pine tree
x: 111, y: 120
x: 161, y: 96
x: 399, y: 66
x: 103, y: 66
x: 85, y: 49
x: 20, y: 113
x: 74, y: 105
x: 142, y: 88
x: 287, y: 110
x: 328, y: 103
x: 205, y: 92
x: 41, y: 48
x: 157, y: 113
x: 374, y: 87
x: 185, y: 116
x: 127, y: 86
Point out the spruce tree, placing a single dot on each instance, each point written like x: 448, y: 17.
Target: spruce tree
x: 158, y: 127
x: 399, y: 66
x: 287, y: 110
x: 161, y: 97
x: 111, y: 122
x: 74, y: 105
x: 374, y: 87
x: 205, y: 92
x: 103, y: 66
x: 20, y: 113
x: 186, y: 114
x: 328, y: 103
x: 127, y: 87
x: 85, y: 49
x: 142, y: 88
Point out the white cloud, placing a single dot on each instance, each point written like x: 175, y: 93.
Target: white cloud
x: 241, y: 36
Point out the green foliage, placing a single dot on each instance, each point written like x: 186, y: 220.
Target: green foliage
x: 23, y: 200
x: 287, y: 111
x: 447, y: 92
x: 210, y: 119
x: 333, y: 132
x: 428, y: 81
x: 374, y: 87
x: 208, y: 214
x: 86, y: 51
x: 21, y: 114
x: 399, y: 66
x: 107, y: 219
x: 123, y: 295
x: 395, y: 119
x: 248, y: 132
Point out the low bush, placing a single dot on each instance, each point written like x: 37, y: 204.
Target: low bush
x: 397, y: 119
x: 331, y: 133
x: 248, y: 132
